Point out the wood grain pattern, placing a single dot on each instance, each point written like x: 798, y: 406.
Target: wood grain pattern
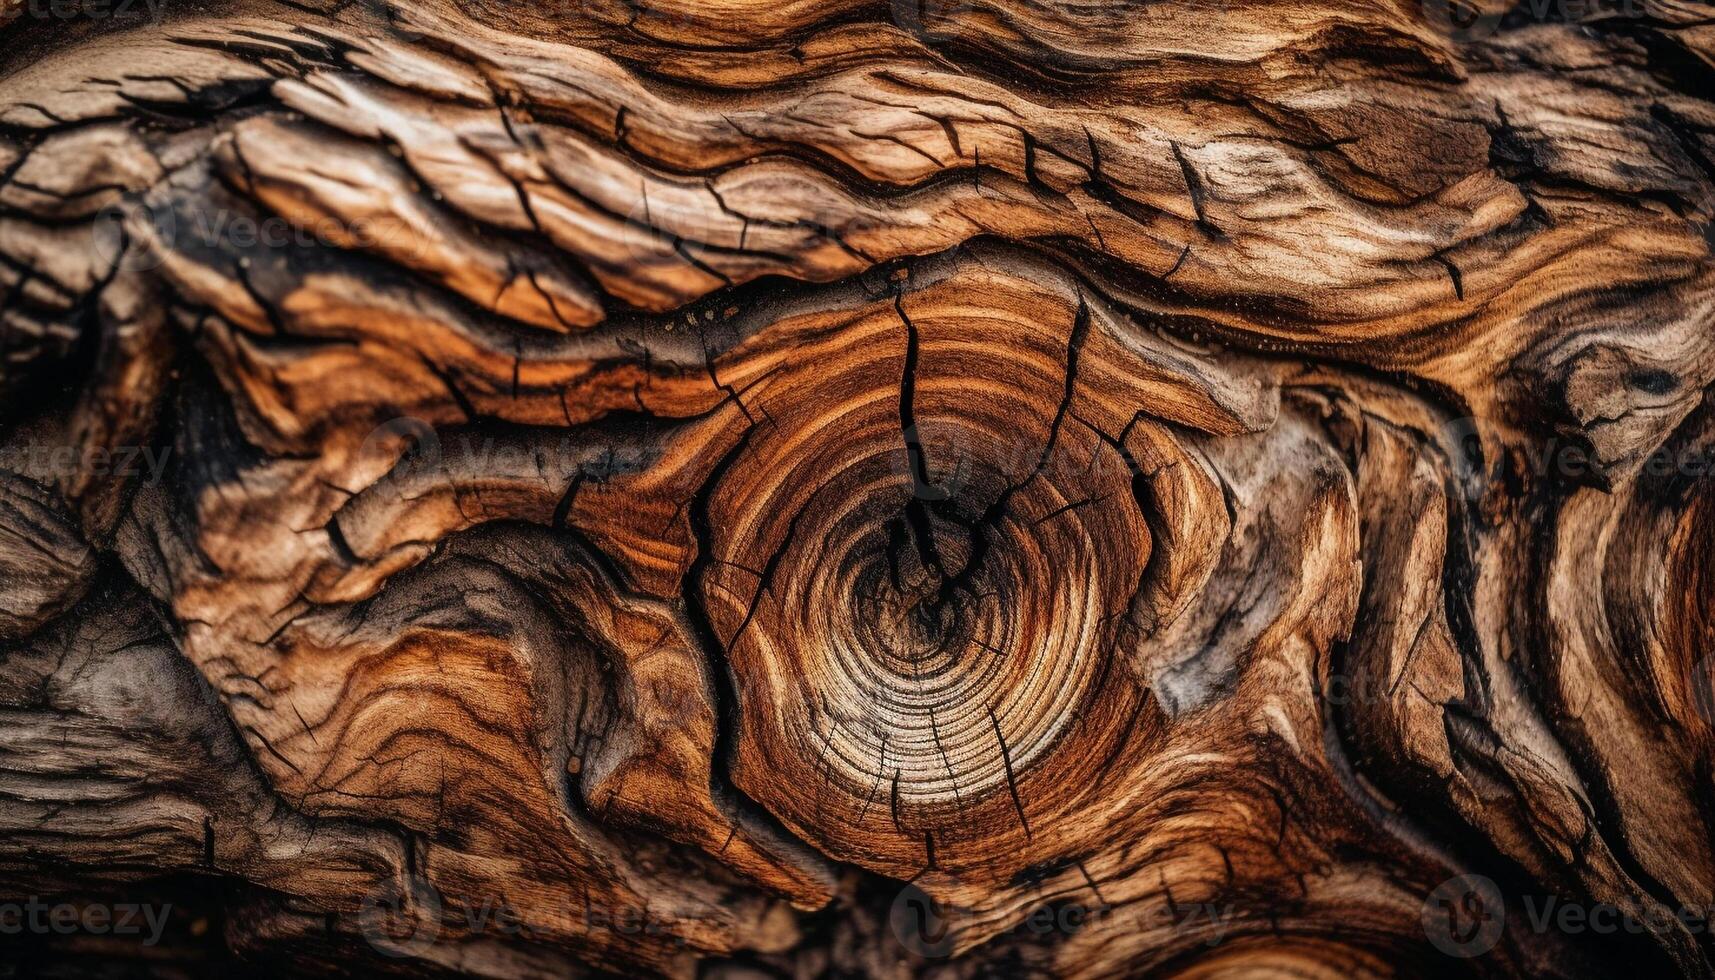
x: 829, y: 488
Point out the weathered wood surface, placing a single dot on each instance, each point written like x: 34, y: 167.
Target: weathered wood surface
x: 631, y: 485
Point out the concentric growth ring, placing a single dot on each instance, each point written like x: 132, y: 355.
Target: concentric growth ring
x: 919, y: 573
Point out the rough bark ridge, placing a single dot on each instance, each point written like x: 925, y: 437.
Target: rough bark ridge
x: 628, y: 485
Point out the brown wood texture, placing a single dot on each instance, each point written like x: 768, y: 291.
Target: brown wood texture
x: 840, y: 488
